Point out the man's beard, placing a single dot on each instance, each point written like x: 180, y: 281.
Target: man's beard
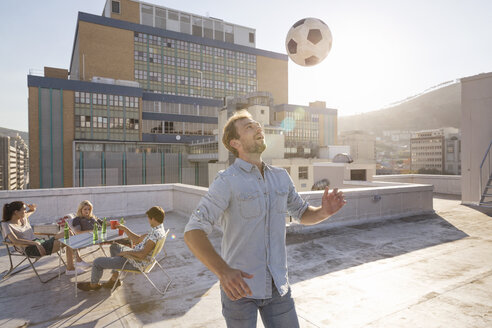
x: 256, y: 148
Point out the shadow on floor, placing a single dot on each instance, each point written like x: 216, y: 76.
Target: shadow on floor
x: 320, y: 253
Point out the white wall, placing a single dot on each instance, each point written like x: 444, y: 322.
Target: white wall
x: 443, y: 184
x: 363, y: 204
x: 476, y: 132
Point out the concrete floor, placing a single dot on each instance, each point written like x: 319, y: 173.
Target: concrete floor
x: 423, y: 271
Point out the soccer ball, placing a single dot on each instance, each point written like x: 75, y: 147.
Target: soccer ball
x: 308, y: 41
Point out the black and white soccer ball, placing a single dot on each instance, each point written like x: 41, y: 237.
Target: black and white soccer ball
x: 308, y: 41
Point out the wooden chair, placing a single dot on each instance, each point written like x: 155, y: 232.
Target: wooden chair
x: 144, y: 267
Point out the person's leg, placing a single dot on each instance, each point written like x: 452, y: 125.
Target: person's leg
x: 101, y: 263
x: 115, y: 249
x: 242, y: 313
x: 279, y: 311
x: 56, y: 248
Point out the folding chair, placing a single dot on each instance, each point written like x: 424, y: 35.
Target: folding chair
x: 144, y: 267
x: 14, y: 251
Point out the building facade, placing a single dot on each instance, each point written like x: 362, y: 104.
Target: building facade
x: 428, y: 150
x: 362, y: 145
x: 14, y: 158
x: 307, y: 129
x: 144, y: 90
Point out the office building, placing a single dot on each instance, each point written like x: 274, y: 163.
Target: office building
x: 14, y: 157
x: 428, y: 150
x: 142, y: 94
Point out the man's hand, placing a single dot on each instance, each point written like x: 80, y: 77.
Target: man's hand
x: 332, y: 202
x: 233, y: 284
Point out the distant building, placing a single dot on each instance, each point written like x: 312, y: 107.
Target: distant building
x: 306, y: 128
x: 452, y: 157
x: 428, y: 150
x: 362, y: 145
x: 14, y: 157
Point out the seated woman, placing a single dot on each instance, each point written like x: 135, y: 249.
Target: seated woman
x: 18, y: 230
x: 85, y: 220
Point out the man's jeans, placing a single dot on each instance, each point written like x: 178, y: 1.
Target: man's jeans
x: 113, y: 262
x: 275, y: 312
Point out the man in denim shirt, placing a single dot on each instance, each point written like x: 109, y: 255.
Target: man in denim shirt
x: 250, y: 201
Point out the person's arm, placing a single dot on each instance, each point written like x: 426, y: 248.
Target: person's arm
x: 135, y: 239
x: 141, y: 254
x: 208, y: 212
x: 25, y: 242
x: 330, y: 204
x: 231, y: 279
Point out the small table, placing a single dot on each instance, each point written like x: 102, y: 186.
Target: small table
x: 84, y: 240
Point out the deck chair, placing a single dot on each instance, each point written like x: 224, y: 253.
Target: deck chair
x: 14, y: 251
x: 149, y: 266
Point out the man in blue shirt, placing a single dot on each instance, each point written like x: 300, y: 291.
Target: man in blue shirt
x: 250, y: 200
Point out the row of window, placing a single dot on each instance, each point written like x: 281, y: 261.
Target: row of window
x: 85, y: 121
x: 181, y: 109
x: 171, y: 127
x: 142, y: 38
x: 103, y: 99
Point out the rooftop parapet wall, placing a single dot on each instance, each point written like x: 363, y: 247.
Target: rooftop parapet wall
x: 363, y: 204
x: 443, y: 184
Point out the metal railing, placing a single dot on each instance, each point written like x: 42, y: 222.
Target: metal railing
x: 485, y: 160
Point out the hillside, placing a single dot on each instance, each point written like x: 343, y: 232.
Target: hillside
x: 13, y: 133
x: 434, y: 109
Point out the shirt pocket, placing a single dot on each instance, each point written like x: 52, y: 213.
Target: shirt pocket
x: 281, y: 200
x: 249, y: 204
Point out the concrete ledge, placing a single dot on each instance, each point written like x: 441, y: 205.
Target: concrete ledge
x: 363, y: 204
x: 443, y: 184
x: 372, y: 204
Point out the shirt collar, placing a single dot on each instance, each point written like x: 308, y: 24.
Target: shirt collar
x: 246, y: 166
x: 158, y: 226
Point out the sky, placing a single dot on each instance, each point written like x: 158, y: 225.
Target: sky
x: 383, y: 50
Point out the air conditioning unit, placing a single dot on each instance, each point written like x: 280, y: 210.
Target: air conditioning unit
x: 106, y: 80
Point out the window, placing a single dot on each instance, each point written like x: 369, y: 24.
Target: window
x: 115, y: 7
x: 251, y: 37
x: 303, y: 172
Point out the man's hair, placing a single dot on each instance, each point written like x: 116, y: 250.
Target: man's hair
x: 230, y: 131
x: 156, y: 213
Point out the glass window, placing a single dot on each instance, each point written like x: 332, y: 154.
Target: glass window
x: 229, y: 33
x: 208, y: 29
x: 147, y: 15
x: 160, y: 18
x: 251, y: 37
x: 184, y: 23
x: 303, y: 172
x: 219, y: 31
x: 115, y: 7
x: 197, y: 26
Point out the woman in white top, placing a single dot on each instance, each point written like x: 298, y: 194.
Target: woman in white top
x: 17, y: 229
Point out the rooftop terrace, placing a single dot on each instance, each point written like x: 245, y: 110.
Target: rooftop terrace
x: 429, y: 270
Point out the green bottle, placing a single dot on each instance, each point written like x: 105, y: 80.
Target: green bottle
x: 66, y: 231
x: 94, y: 233
x: 103, y: 230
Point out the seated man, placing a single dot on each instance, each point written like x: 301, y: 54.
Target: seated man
x: 119, y: 254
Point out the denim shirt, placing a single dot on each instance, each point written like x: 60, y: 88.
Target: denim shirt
x: 251, y: 211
